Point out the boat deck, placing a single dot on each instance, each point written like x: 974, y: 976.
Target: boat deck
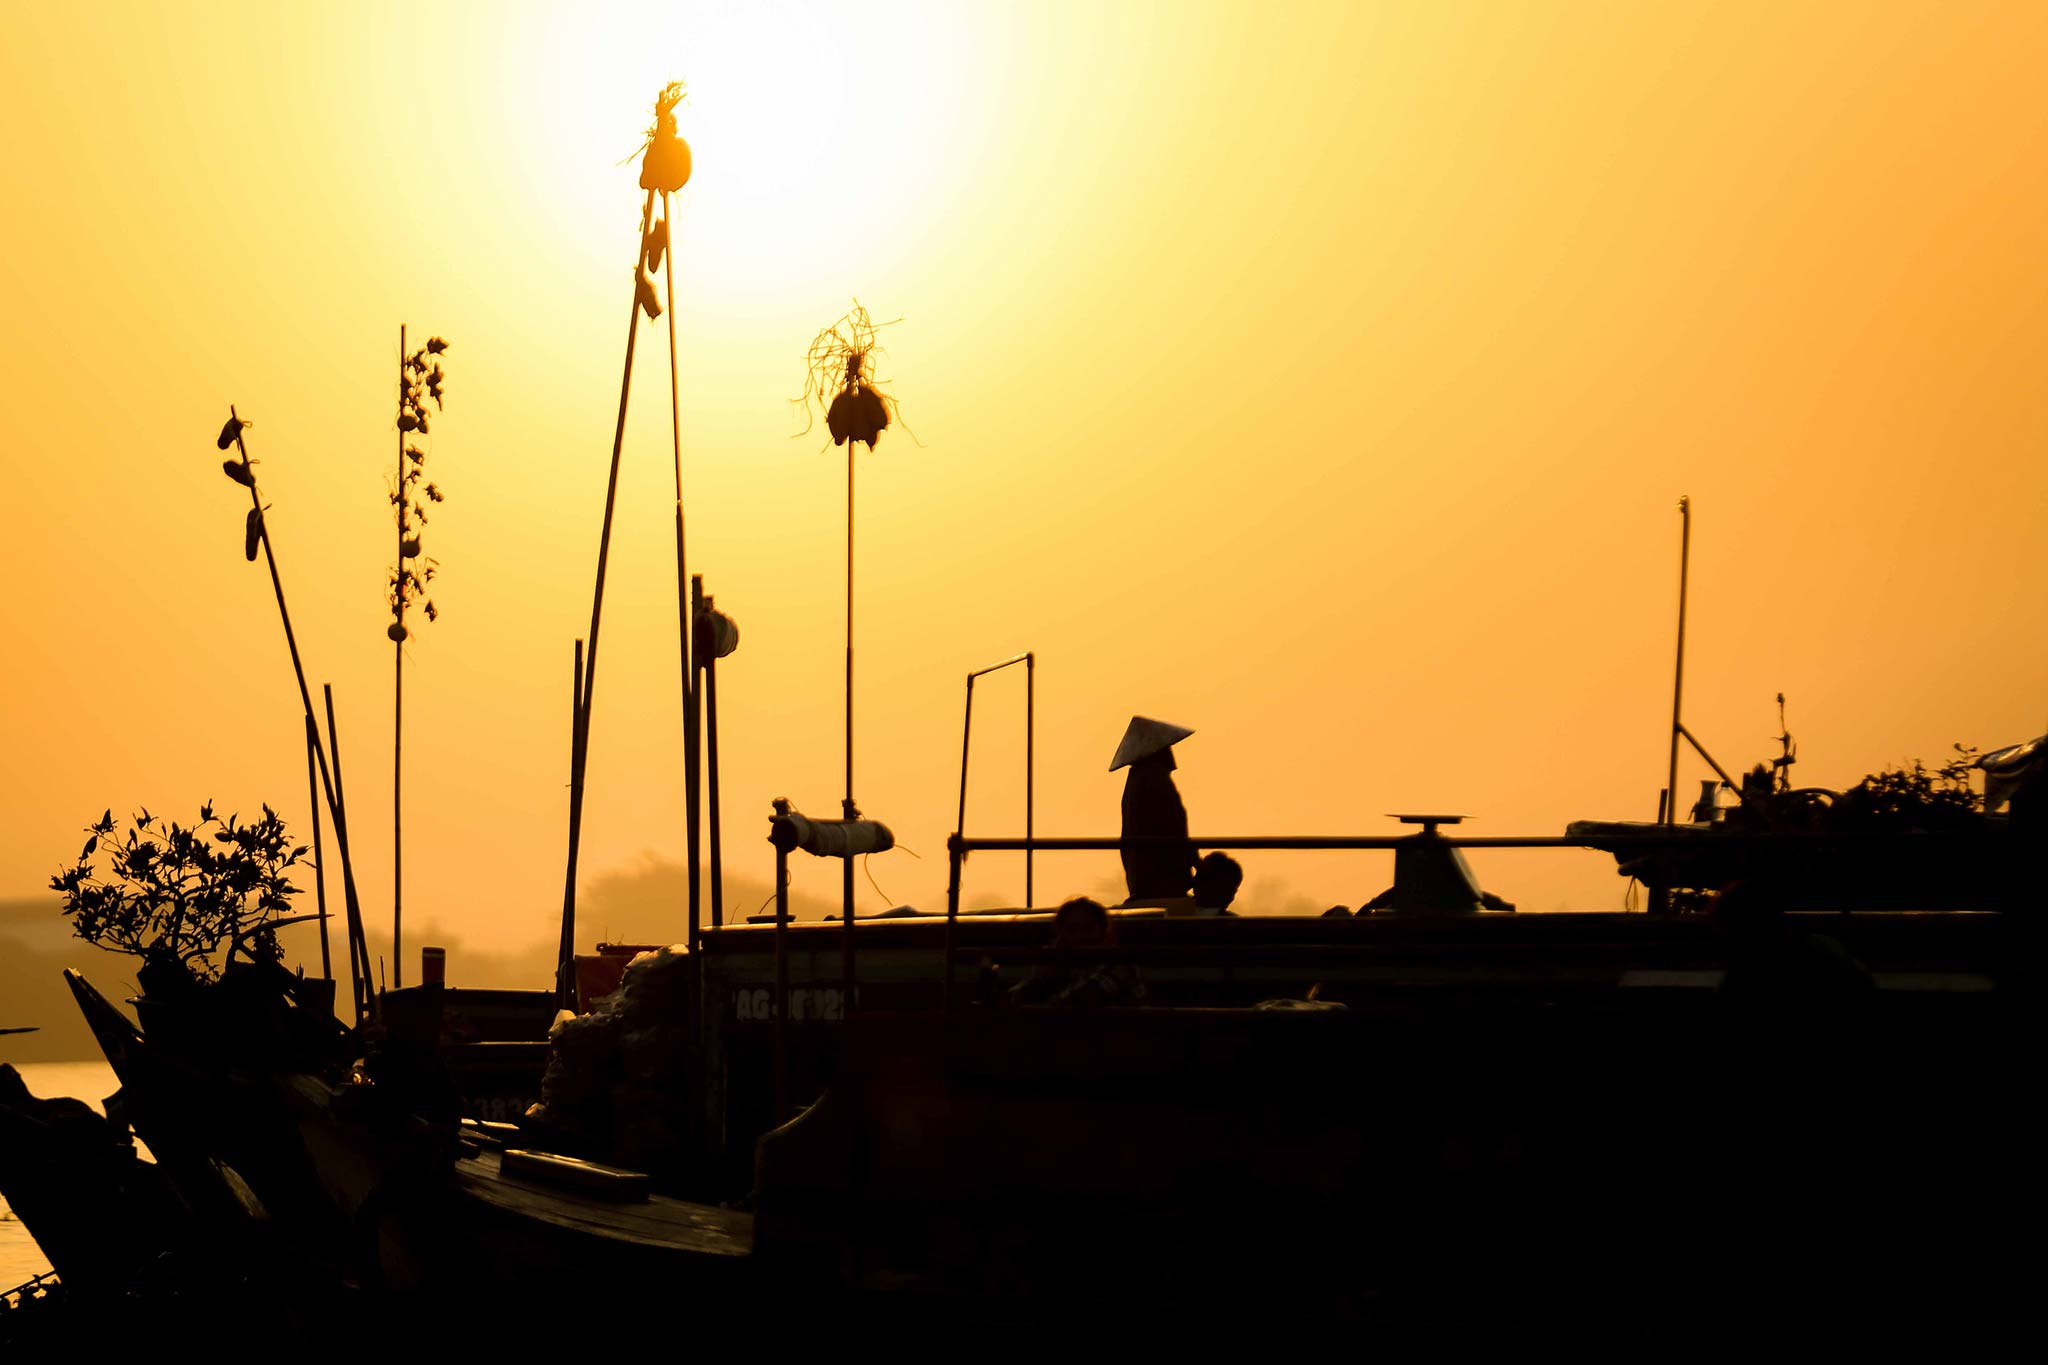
x: 655, y: 1221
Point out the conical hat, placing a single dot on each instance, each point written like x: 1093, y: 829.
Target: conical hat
x: 1145, y: 738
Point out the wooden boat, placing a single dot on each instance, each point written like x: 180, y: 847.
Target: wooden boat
x: 1975, y: 868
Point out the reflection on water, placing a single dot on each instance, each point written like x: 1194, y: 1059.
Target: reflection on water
x: 20, y: 1257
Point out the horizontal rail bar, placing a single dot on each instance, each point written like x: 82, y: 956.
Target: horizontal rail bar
x: 1013, y: 659
x: 1385, y: 841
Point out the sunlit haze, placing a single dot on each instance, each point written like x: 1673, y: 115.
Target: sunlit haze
x: 1320, y: 377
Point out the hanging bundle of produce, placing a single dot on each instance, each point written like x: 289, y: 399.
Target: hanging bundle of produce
x: 242, y: 470
x: 666, y: 166
x: 420, y: 380
x: 839, y: 381
x: 252, y: 533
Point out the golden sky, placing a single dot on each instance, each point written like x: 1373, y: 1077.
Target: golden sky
x: 1323, y: 378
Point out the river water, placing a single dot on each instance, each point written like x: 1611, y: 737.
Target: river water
x: 20, y: 1257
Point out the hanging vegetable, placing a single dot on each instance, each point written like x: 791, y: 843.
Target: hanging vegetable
x: 643, y: 294
x: 666, y: 167
x: 841, y: 364
x: 421, y: 380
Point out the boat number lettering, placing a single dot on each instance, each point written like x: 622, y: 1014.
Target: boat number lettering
x: 805, y: 1003
x: 498, y: 1108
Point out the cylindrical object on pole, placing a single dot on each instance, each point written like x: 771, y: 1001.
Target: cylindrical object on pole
x: 792, y: 831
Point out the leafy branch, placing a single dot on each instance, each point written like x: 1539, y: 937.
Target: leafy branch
x: 167, y: 892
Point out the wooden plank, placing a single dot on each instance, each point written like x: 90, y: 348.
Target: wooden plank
x: 573, y: 1173
x: 659, y: 1222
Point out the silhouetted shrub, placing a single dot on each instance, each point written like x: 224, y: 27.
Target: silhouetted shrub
x: 173, y: 895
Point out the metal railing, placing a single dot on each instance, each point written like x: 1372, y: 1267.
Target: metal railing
x: 1030, y: 661
x: 1679, y: 837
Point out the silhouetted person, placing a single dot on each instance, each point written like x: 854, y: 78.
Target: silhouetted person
x: 1153, y: 809
x: 1081, y: 926
x: 1217, y: 878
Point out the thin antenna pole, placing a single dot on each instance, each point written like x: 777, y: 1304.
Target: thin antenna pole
x: 1030, y: 762
x: 319, y: 859
x: 565, y: 950
x: 398, y: 717
x: 587, y: 682
x: 1678, y: 678
x: 710, y: 668
x: 966, y: 743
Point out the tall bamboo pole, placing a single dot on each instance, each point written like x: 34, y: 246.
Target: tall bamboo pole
x: 851, y: 811
x: 319, y: 859
x: 352, y: 905
x: 848, y: 803
x: 398, y: 715
x: 685, y: 609
x: 365, y: 998
x: 580, y: 750
x: 565, y: 951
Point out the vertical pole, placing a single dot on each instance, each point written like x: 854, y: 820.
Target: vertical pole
x: 1030, y: 764
x: 686, y: 601
x: 852, y: 812
x: 709, y: 664
x: 1678, y: 678
x: 954, y: 853
x: 781, y: 985
x: 398, y: 713
x: 966, y: 741
x: 359, y: 949
x: 330, y: 785
x: 319, y: 857
x: 565, y: 950
x: 693, y: 749
x: 587, y: 682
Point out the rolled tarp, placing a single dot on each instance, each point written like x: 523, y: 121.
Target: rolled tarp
x: 791, y: 831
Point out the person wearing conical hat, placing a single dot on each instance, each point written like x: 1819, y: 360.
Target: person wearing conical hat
x: 1153, y: 809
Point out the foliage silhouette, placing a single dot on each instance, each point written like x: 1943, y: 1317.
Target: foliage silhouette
x: 175, y: 894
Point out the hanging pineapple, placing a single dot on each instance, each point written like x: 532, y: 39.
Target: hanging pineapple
x: 841, y: 363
